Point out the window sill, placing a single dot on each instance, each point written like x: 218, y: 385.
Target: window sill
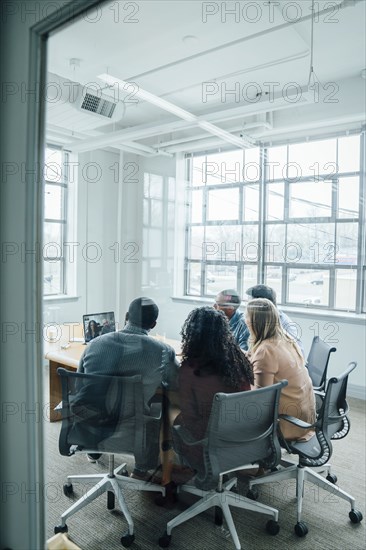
x: 61, y: 298
x: 315, y: 313
x: 347, y: 316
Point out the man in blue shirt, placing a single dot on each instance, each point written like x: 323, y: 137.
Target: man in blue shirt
x: 228, y: 301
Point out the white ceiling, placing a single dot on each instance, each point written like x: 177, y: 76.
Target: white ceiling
x: 170, y: 49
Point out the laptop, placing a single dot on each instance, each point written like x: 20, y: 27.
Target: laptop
x: 96, y: 324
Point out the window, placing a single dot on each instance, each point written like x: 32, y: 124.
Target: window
x: 55, y: 221
x: 158, y: 230
x: 287, y: 216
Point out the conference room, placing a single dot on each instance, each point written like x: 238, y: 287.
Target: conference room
x: 191, y: 147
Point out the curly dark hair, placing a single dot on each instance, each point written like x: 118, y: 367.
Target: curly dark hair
x: 209, y: 347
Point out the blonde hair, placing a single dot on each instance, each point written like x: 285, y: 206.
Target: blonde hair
x: 265, y: 324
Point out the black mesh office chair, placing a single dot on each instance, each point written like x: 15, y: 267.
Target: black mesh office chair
x: 105, y: 414
x: 242, y: 430
x: 317, y: 365
x: 315, y: 453
x: 317, y: 362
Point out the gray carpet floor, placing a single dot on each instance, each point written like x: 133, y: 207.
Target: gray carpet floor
x: 97, y: 528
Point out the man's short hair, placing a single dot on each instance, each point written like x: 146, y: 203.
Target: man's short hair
x: 143, y: 312
x: 229, y: 297
x: 262, y: 291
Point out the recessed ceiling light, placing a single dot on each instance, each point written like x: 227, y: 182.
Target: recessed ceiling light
x: 190, y: 39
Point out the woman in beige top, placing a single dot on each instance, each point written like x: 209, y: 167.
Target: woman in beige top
x: 276, y: 356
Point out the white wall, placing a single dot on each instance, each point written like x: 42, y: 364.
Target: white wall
x: 98, y: 254
x: 129, y: 232
x: 347, y: 335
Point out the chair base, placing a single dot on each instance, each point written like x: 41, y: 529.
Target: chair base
x: 110, y: 483
x: 222, y: 500
x: 324, y: 469
x: 302, y: 474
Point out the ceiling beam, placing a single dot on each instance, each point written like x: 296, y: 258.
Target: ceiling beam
x: 161, y: 103
x: 264, y: 104
x: 135, y: 132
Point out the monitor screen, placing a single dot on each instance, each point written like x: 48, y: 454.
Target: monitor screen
x: 96, y: 324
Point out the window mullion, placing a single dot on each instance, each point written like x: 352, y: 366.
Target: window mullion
x: 262, y: 214
x: 204, y: 221
x: 286, y: 198
x: 361, y: 249
x: 62, y: 206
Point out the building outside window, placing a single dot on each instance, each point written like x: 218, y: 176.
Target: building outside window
x: 289, y: 216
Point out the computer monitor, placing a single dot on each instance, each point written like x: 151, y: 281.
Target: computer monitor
x: 96, y: 324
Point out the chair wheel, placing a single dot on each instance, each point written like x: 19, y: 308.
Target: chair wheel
x: 68, y: 489
x: 301, y: 529
x: 127, y: 540
x: 355, y: 516
x: 164, y: 541
x: 332, y: 478
x: 272, y: 527
x: 60, y: 529
x: 253, y: 493
x: 123, y: 472
x: 110, y: 500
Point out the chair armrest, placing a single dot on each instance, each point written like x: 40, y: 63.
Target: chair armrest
x: 187, y: 437
x: 321, y: 393
x: 155, y: 410
x: 155, y: 405
x: 299, y: 423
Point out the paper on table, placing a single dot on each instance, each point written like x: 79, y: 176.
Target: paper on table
x: 161, y: 337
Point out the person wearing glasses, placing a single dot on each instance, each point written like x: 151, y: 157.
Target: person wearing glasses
x: 228, y: 301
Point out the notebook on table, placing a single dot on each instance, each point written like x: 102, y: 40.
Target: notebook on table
x: 96, y: 324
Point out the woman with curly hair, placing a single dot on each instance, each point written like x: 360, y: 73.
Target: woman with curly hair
x: 212, y: 362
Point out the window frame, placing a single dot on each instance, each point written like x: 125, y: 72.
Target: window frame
x: 62, y: 222
x: 334, y: 219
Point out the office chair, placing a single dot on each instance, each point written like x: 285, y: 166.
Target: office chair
x: 317, y: 364
x: 105, y: 414
x: 315, y: 453
x: 242, y: 430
